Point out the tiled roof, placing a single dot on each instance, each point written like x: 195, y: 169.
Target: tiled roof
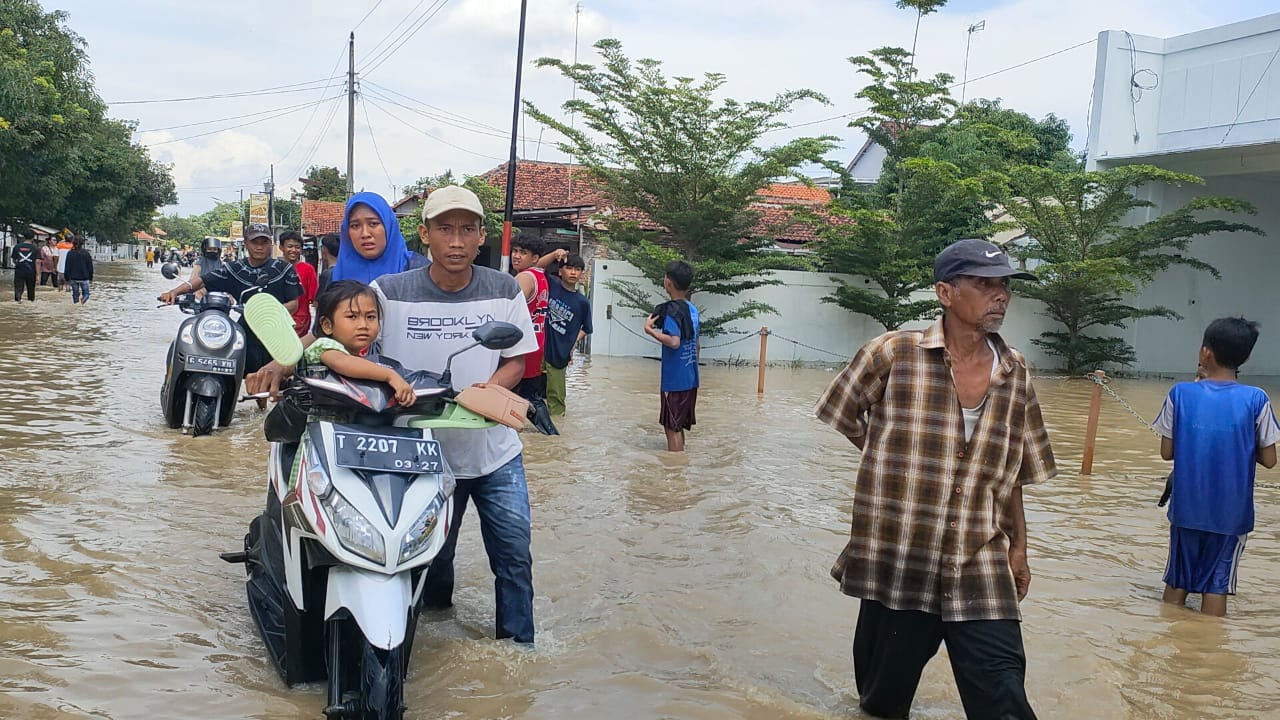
x: 795, y: 193
x: 546, y: 185
x: 321, y: 216
x: 142, y: 235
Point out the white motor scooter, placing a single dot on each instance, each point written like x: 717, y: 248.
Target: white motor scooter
x: 355, y: 513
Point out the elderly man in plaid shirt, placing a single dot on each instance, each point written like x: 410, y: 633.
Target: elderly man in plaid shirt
x: 950, y: 432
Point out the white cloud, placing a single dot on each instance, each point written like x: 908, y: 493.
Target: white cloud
x: 463, y: 61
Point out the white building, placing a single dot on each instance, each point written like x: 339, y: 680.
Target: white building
x: 1206, y: 103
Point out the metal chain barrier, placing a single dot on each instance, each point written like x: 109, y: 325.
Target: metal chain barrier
x: 745, y: 336
x: 1103, y: 383
x: 842, y: 356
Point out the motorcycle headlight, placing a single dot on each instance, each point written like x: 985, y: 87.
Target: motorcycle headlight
x: 214, y: 332
x: 356, y: 533
x: 419, y: 535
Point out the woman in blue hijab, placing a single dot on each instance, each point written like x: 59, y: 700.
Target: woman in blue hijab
x: 370, y: 242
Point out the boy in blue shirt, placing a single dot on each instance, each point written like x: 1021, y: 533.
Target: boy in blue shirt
x: 1214, y: 430
x: 679, y: 337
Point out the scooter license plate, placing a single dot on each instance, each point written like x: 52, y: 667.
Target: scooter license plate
x: 221, y: 366
x: 387, y: 453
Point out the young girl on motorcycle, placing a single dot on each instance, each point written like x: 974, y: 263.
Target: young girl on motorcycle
x: 348, y: 316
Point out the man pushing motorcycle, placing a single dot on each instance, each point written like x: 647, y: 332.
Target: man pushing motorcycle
x: 428, y: 314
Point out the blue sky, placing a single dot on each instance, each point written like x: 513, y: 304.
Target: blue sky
x: 439, y: 97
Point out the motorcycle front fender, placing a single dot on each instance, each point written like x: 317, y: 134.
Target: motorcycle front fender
x: 379, y: 603
x: 204, y: 385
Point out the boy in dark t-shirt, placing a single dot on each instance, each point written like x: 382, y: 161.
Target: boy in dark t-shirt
x: 568, y: 321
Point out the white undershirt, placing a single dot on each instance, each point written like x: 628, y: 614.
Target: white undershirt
x: 971, y: 415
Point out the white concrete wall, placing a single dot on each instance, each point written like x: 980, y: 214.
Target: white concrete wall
x: 1248, y: 287
x: 802, y: 317
x: 1205, y: 83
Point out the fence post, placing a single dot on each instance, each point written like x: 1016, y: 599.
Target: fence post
x: 764, y: 346
x: 1091, y: 430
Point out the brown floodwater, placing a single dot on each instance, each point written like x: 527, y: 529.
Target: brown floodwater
x: 690, y: 586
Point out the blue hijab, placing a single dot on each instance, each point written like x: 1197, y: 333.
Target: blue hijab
x: 395, y: 258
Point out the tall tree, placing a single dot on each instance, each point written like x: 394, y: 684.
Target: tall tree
x: 63, y: 161
x: 889, y: 234
x: 922, y: 8
x: 325, y: 183
x: 1092, y: 263
x: 690, y: 162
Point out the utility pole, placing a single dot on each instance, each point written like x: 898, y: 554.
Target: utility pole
x: 270, y: 187
x: 351, y: 114
x: 964, y: 84
x: 511, y: 161
x: 577, y: 15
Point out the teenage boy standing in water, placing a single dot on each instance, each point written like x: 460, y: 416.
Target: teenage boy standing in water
x: 679, y: 338
x: 568, y: 321
x: 1214, y: 430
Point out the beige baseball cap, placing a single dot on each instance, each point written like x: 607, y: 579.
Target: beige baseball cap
x: 451, y: 197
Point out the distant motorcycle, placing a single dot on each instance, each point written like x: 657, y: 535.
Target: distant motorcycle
x: 205, y: 363
x: 355, y: 513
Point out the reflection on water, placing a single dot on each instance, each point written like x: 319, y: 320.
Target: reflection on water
x: 689, y: 586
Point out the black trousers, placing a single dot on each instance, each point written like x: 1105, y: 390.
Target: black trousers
x: 891, y: 648
x: 20, y: 282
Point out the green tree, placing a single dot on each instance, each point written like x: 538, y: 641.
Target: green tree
x: 690, y: 162
x: 922, y: 8
x: 490, y: 197
x: 1092, y: 263
x: 325, y: 183
x: 182, y: 230
x: 889, y: 235
x: 288, y: 214
x: 431, y: 181
x: 63, y: 161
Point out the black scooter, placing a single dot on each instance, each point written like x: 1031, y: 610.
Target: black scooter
x: 205, y: 363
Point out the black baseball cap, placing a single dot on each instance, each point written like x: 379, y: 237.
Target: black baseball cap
x: 977, y: 258
x: 257, y: 230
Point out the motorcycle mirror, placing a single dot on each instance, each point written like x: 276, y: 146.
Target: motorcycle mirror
x: 169, y: 270
x: 497, y: 335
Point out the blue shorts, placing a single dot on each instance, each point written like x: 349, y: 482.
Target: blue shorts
x: 1203, y: 562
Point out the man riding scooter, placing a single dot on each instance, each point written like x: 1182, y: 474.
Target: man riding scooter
x: 259, y: 272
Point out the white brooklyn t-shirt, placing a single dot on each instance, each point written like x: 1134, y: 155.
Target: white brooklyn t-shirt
x: 422, y: 325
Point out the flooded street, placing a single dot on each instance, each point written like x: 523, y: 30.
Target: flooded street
x: 667, y: 586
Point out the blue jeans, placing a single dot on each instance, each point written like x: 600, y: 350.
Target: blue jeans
x: 79, y: 289
x: 502, y: 502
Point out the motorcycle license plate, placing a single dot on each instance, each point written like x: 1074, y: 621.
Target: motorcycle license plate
x: 221, y: 366
x: 387, y: 453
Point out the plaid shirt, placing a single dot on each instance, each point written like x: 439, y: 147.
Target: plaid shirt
x: 930, y: 531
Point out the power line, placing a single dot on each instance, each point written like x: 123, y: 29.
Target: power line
x: 435, y: 108
x: 277, y: 90
x: 430, y: 116
x: 374, y: 63
x: 373, y: 139
x: 233, y: 117
x: 386, y: 37
x: 1001, y: 71
x: 366, y: 16
x: 315, y: 147
x: 233, y: 127
x: 333, y: 71
x: 416, y: 129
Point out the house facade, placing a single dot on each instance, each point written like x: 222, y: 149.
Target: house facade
x: 1206, y: 103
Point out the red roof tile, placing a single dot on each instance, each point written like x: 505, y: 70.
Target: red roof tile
x: 321, y: 216
x: 546, y: 185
